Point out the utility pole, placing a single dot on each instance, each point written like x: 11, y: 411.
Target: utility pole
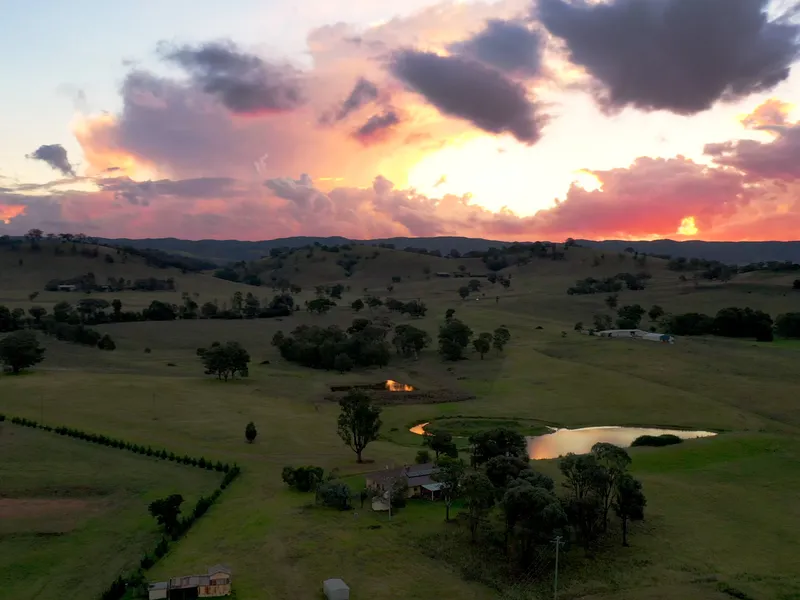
x: 558, y: 543
x: 41, y: 410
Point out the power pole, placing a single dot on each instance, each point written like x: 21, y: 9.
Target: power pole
x: 558, y: 543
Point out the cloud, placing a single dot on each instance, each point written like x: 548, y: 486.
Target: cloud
x: 509, y: 46
x: 244, y: 83
x: 54, y: 155
x: 772, y: 113
x: 362, y: 94
x: 681, y: 56
x: 779, y: 159
x: 470, y: 90
x: 377, y: 127
x: 142, y: 192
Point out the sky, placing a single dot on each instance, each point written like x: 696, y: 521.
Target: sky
x: 511, y: 120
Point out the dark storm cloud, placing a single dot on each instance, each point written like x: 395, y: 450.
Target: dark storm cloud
x: 243, y: 82
x: 55, y: 156
x: 468, y: 89
x: 363, y: 93
x: 376, y: 127
x: 506, y: 45
x: 140, y: 193
x: 675, y: 55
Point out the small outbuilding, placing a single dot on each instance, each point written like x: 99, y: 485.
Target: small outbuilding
x: 158, y: 590
x: 336, y: 589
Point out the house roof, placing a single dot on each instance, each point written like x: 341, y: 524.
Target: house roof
x: 414, y: 474
x: 158, y: 585
x: 219, y: 569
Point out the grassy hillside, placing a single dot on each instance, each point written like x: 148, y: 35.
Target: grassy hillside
x: 236, y: 250
x: 23, y: 272
x: 717, y: 515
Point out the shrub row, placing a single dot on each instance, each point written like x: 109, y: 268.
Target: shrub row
x: 104, y: 440
x: 117, y: 589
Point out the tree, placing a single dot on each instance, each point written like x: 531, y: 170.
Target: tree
x: 629, y: 502
x: 602, y: 322
x: 409, y: 340
x: 335, y: 494
x: 441, y: 442
x: 463, y: 291
x: 483, y: 344
x: 474, y: 285
x: 116, y: 304
x: 450, y: 474
x: 479, y: 494
x: 585, y: 480
x: 225, y: 361
x: 656, y: 313
x: 501, y: 337
x: 423, y: 457
x: 343, y: 363
x: 630, y: 316
x: 615, y: 461
x: 357, y: 304
x: 578, y: 326
x: 448, y: 315
x: 106, y: 343
x: 533, y: 515
x: 359, y: 421
x: 320, y: 305
x: 37, y: 312
x: 454, y: 336
x: 20, y: 350
x: 250, y: 432
x: 303, y: 479
x: 612, y: 301
x: 497, y: 442
x: 166, y: 512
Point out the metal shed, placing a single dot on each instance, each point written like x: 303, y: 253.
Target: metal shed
x: 336, y: 589
x: 157, y: 591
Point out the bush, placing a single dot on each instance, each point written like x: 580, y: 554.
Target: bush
x: 303, y: 479
x: 666, y: 439
x: 335, y: 494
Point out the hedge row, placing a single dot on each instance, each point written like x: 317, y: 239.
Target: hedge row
x: 117, y: 589
x: 103, y: 440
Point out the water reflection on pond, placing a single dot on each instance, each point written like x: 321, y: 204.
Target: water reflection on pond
x: 580, y: 441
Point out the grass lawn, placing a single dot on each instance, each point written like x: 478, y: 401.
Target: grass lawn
x: 74, y: 514
x: 720, y: 513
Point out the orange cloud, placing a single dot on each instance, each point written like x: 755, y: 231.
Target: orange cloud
x: 10, y: 211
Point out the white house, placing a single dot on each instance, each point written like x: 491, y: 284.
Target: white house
x: 638, y: 334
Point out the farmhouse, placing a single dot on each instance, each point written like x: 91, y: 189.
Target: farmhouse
x: 215, y: 584
x: 418, y: 478
x: 67, y: 288
x: 638, y: 334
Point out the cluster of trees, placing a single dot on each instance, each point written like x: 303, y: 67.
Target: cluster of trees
x: 475, y: 285
x: 88, y: 283
x: 729, y: 322
x: 610, y: 285
x: 225, y: 360
x: 364, y: 344
x: 500, y: 480
x: 788, y: 325
x: 329, y: 490
x: 455, y: 337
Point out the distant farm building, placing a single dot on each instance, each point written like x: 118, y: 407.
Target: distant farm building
x: 441, y: 274
x: 418, y: 478
x: 638, y: 334
x: 216, y: 584
x: 67, y: 288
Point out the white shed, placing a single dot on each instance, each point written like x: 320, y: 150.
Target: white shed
x: 157, y: 591
x: 336, y: 589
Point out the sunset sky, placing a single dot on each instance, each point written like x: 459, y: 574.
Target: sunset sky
x: 513, y: 120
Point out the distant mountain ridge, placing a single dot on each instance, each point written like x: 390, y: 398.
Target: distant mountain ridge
x: 226, y: 251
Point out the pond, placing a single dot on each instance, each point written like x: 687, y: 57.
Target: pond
x: 580, y: 441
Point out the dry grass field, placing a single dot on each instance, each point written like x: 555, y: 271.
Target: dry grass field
x: 721, y: 512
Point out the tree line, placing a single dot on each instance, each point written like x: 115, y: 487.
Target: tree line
x: 591, y: 285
